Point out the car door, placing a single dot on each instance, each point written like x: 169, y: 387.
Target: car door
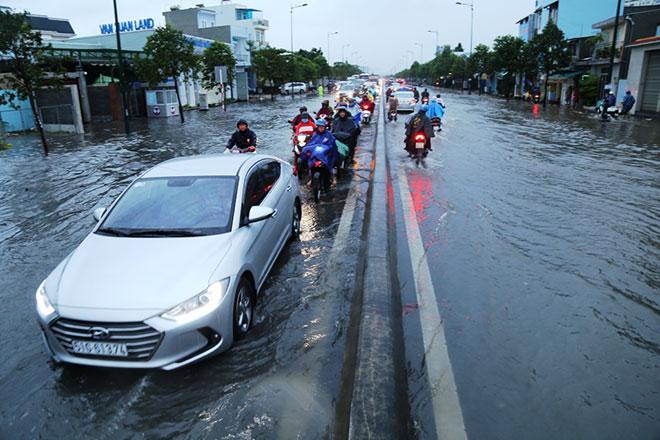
x: 263, y: 235
x: 277, y: 197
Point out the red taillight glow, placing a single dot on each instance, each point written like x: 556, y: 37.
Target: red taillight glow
x: 419, y: 138
x: 318, y: 163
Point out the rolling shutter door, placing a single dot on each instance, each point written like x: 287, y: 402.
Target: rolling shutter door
x: 651, y: 95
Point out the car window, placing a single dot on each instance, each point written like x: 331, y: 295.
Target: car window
x: 254, y: 191
x: 271, y: 172
x: 404, y: 95
x: 200, y: 205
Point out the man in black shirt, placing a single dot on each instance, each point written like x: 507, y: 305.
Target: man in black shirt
x: 243, y: 137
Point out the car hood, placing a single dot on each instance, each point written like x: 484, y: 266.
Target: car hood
x: 124, y: 273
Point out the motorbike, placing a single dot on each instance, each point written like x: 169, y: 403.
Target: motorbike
x: 419, y: 147
x: 605, y: 112
x: 321, y: 179
x: 425, y: 100
x: 536, y: 98
x: 366, y: 116
x: 328, y: 119
x: 299, y: 143
x: 436, y: 123
x: 239, y: 150
x: 391, y: 115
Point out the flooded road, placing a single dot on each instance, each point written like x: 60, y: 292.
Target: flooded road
x: 539, y: 235
x: 280, y: 382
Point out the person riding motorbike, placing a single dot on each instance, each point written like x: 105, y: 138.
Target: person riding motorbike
x: 355, y: 110
x: 435, y: 113
x: 611, y: 99
x: 345, y: 129
x: 367, y: 104
x: 321, y: 147
x: 439, y: 100
x: 419, y: 123
x: 306, y: 125
x: 298, y: 117
x: 243, y: 137
x: 325, y: 112
x: 416, y: 93
x: 425, y: 94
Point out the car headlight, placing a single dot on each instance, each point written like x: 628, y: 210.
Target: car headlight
x: 200, y: 304
x: 44, y: 305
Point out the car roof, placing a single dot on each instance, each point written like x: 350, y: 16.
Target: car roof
x: 205, y: 165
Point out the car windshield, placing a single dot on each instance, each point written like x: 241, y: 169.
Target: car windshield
x: 173, y: 206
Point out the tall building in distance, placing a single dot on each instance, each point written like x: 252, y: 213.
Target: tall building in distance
x: 239, y: 26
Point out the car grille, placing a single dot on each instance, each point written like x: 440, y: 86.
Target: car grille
x: 141, y: 339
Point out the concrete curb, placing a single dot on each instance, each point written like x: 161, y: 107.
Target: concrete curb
x: 373, y: 400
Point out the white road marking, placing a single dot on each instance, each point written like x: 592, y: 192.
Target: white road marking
x: 446, y: 407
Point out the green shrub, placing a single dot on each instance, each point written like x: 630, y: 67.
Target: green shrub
x: 589, y: 89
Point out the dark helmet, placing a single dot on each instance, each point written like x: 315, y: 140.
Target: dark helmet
x: 325, y: 103
x: 242, y: 121
x: 303, y: 109
x: 305, y: 115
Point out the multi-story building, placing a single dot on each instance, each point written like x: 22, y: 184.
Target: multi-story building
x: 237, y: 25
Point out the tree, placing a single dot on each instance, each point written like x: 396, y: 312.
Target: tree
x: 217, y: 54
x: 270, y: 65
x: 25, y: 54
x: 343, y: 70
x: 507, y: 51
x: 169, y: 55
x: 552, y: 50
x: 459, y: 48
x: 481, y: 60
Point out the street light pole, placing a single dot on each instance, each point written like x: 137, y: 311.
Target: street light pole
x: 436, y: 41
x: 471, y: 5
x: 342, y: 52
x: 292, y: 8
x: 329, y: 34
x: 122, y: 84
x: 421, y: 51
x: 613, y: 48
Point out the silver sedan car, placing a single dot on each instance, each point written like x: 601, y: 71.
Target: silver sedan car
x: 171, y: 272
x: 406, y: 101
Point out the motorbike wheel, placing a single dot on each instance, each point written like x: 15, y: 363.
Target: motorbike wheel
x: 316, y: 186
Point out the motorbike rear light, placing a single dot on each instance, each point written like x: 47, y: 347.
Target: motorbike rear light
x: 419, y: 138
x: 318, y: 163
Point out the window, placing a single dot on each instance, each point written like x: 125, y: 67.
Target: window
x: 160, y: 99
x: 657, y: 31
x: 259, y: 183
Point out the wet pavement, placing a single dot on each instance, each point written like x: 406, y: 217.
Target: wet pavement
x: 538, y: 264
x: 282, y: 381
x: 527, y: 253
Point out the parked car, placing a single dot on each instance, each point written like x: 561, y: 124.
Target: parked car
x: 406, y: 101
x: 171, y: 272
x: 295, y: 87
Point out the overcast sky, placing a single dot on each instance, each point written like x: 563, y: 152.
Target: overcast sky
x: 381, y: 33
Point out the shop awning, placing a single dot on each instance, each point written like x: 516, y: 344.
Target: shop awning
x: 567, y: 74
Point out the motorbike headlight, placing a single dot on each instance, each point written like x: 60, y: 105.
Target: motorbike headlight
x: 200, y: 304
x: 301, y: 138
x: 44, y: 305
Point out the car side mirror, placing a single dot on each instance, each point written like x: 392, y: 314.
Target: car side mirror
x: 259, y: 213
x: 99, y: 213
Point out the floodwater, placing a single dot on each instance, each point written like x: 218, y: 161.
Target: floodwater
x: 541, y: 229
x: 280, y: 382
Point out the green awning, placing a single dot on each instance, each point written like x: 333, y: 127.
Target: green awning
x: 567, y: 74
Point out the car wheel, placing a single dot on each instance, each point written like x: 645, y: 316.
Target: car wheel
x: 243, y: 309
x: 295, y: 221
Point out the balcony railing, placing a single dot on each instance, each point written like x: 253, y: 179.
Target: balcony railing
x: 260, y: 22
x: 603, y: 50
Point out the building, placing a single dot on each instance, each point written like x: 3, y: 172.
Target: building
x: 640, y: 66
x: 239, y: 26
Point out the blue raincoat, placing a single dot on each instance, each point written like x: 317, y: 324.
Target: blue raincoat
x: 321, y: 147
x: 435, y: 110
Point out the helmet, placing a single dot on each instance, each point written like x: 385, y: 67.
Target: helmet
x: 305, y: 115
x: 611, y: 92
x: 351, y: 101
x: 438, y: 95
x: 424, y: 108
x: 341, y: 106
x: 321, y: 123
x: 303, y: 109
x: 325, y: 103
x: 242, y: 121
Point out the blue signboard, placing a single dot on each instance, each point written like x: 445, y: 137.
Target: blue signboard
x: 128, y: 26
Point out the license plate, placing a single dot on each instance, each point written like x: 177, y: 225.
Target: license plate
x: 100, y: 348
x: 419, y: 145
